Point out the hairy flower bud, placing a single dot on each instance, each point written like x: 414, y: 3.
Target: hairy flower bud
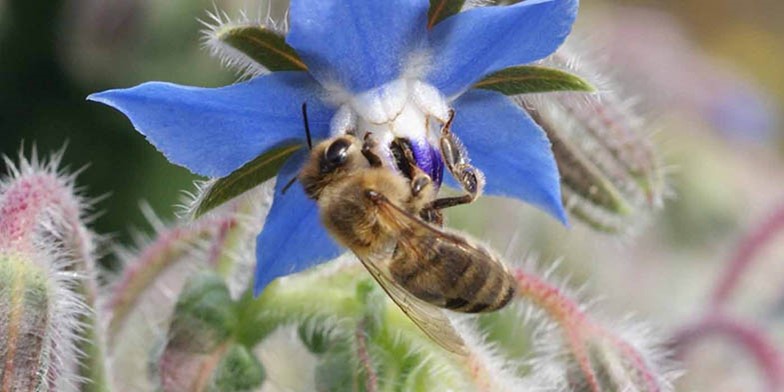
x: 48, y: 340
x: 610, y: 175
x: 26, y: 326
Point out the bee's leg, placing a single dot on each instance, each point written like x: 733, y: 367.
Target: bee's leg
x: 404, y: 157
x: 419, y: 183
x: 367, y: 150
x: 432, y: 215
x: 456, y: 160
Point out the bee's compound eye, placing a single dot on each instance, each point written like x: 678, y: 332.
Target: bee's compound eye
x: 337, y: 152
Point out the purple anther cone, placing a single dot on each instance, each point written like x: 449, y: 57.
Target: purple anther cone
x: 428, y: 158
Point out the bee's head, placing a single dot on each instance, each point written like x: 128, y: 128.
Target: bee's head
x: 329, y: 161
x: 335, y: 155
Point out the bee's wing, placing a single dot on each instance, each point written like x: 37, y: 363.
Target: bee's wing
x: 430, y: 319
x: 405, y: 221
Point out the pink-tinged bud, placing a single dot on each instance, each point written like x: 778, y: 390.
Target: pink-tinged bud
x: 594, y: 357
x: 47, y: 332
x: 141, y: 300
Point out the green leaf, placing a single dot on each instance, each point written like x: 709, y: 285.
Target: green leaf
x: 243, y: 179
x: 261, y: 45
x: 528, y: 79
x: 238, y: 370
x: 204, y: 316
x: 442, y: 9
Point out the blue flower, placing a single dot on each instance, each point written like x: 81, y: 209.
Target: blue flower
x: 372, y: 65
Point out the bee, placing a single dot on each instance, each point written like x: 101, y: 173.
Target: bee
x: 387, y: 220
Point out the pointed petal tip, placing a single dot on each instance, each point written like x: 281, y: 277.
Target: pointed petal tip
x: 214, y: 131
x: 516, y: 157
x: 560, y: 214
x: 258, y: 285
x: 553, y: 205
x: 103, y: 97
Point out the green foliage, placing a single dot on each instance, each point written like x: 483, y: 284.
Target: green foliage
x: 442, y: 9
x: 243, y: 179
x: 204, y: 315
x: 261, y: 45
x: 238, y: 370
x: 528, y: 79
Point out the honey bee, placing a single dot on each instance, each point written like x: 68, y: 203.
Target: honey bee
x: 386, y: 219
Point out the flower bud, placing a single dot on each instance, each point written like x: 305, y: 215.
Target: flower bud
x: 48, y: 339
x: 26, y: 326
x: 610, y: 176
x: 610, y: 364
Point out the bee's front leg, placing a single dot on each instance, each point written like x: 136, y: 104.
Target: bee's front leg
x: 368, y: 144
x: 422, y: 189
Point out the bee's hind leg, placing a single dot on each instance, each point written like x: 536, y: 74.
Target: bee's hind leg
x: 471, y: 179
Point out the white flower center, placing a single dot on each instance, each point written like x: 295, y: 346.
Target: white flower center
x: 402, y: 108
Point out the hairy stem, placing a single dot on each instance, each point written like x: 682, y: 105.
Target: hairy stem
x: 371, y: 379
x: 746, y: 254
x: 580, y: 333
x: 749, y: 337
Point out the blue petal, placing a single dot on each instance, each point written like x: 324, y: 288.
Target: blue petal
x: 359, y: 44
x: 512, y: 151
x: 472, y: 44
x: 293, y: 238
x: 214, y: 131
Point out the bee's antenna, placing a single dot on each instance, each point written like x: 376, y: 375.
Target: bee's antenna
x: 288, y: 185
x: 307, y: 126
x: 310, y: 145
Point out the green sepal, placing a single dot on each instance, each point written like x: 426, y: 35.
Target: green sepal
x: 205, y: 315
x: 602, y: 204
x: 261, y: 45
x: 316, y: 340
x: 442, y: 9
x: 338, y: 370
x: 527, y: 79
x: 245, y: 178
x: 238, y: 370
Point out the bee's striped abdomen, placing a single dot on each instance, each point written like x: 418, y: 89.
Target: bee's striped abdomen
x: 453, y: 274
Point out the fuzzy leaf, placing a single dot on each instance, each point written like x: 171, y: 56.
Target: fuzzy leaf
x: 442, y: 9
x: 261, y: 45
x: 529, y: 79
x: 243, y: 179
